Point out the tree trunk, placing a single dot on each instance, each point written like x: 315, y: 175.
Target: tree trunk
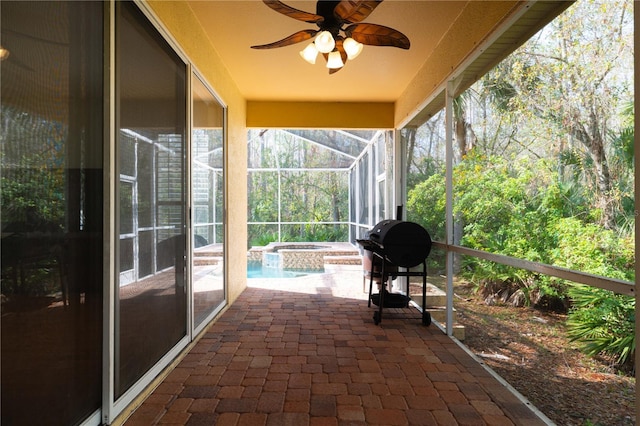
x: 462, y: 131
x: 410, y: 136
x: 335, y: 202
x: 593, y: 140
x: 460, y: 128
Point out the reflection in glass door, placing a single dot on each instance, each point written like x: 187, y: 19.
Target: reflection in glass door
x: 127, y: 234
x: 208, y: 202
x: 150, y: 298
x: 51, y: 142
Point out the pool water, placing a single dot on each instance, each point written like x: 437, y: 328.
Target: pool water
x: 259, y: 272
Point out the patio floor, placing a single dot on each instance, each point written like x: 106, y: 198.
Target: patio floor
x: 305, y: 351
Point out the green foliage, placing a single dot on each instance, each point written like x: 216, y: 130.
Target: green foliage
x: 310, y: 232
x: 35, y: 201
x: 426, y: 206
x: 590, y: 248
x: 261, y: 235
x: 622, y: 163
x: 521, y: 209
x: 425, y: 168
x: 33, y: 171
x: 603, y: 323
x: 493, y: 198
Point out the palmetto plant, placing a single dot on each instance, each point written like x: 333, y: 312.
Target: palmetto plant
x: 603, y: 323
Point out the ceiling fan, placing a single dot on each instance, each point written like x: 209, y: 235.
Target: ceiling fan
x: 340, y: 35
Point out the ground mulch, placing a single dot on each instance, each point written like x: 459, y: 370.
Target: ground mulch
x: 529, y: 349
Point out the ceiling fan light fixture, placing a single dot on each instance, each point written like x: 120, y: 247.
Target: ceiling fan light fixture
x: 334, y: 61
x: 310, y: 53
x: 324, y: 42
x: 4, y: 53
x: 339, y: 29
x: 352, y: 47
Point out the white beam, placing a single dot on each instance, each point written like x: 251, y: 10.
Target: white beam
x: 449, y: 200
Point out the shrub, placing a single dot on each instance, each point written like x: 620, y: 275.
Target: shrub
x: 603, y: 323
x: 590, y: 248
x: 522, y: 209
x: 426, y: 206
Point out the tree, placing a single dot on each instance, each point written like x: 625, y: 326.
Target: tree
x: 544, y: 170
x: 572, y: 76
x: 290, y: 183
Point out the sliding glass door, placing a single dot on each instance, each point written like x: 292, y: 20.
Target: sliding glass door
x: 51, y: 142
x: 151, y: 293
x: 207, y: 159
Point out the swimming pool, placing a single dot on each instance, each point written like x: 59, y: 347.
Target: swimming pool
x: 257, y: 271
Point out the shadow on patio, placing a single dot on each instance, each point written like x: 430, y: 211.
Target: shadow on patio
x: 305, y: 351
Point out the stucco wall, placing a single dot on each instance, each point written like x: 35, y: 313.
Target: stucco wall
x: 332, y: 115
x: 179, y: 21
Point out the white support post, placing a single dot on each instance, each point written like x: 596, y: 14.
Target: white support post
x: 400, y: 170
x: 449, y: 201
x: 399, y: 198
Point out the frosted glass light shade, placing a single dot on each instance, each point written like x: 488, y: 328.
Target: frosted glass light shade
x: 352, y: 47
x: 324, y: 42
x: 335, y: 60
x: 310, y: 53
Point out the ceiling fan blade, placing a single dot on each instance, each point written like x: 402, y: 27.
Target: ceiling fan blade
x: 340, y: 48
x: 294, y: 13
x: 352, y: 11
x: 377, y: 35
x: 292, y: 39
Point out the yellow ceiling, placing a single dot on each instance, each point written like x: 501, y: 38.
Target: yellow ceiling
x: 446, y: 36
x: 379, y: 74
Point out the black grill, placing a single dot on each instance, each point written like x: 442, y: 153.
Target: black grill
x: 403, y: 244
x: 395, y: 244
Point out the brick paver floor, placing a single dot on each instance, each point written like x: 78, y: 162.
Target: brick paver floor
x: 306, y: 351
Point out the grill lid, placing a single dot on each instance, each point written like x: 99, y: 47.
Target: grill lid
x: 405, y: 244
